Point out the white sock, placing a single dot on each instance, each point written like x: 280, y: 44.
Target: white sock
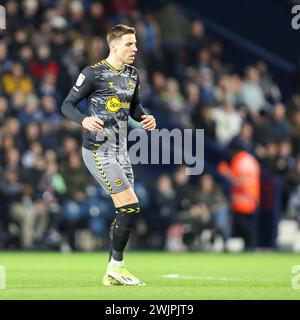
x: 114, y: 262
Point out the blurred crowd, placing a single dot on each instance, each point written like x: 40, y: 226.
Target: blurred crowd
x: 48, y: 200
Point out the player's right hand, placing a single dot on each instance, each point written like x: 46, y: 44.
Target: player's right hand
x: 92, y: 124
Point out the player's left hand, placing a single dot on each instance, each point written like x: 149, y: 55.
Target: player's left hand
x: 148, y: 122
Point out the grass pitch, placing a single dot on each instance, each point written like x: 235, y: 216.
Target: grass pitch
x: 174, y: 276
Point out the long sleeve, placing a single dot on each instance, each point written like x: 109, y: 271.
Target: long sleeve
x: 82, y: 89
x: 136, y: 108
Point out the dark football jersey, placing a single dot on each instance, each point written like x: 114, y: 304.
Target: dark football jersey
x: 112, y: 96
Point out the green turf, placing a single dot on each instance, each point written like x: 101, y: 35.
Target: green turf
x: 195, y: 276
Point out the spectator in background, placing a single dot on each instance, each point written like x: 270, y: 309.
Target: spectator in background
x: 206, y: 83
x: 13, y: 17
x: 48, y: 87
x: 174, y: 30
x: 25, y: 56
x: 244, y: 139
x: 193, y: 98
x: 285, y: 159
x: 164, y: 198
x: 172, y: 101
x: 97, y: 21
x: 43, y: 62
x: 228, y: 89
x: 5, y: 63
x: 244, y: 173
x: 75, y: 58
x: 279, y: 128
x: 182, y: 188
x: 75, y: 209
x: 203, y: 119
x: 149, y: 38
x: 269, y: 155
x: 228, y: 123
x: 10, y: 191
x: 292, y: 179
x: 197, y: 39
x: 209, y: 199
x: 252, y: 95
x: 269, y: 87
x: 50, y: 110
x: 3, y: 110
x: 17, y: 80
x: 30, y: 212
x: 295, y: 131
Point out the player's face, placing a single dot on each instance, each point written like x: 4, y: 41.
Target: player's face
x: 125, y: 48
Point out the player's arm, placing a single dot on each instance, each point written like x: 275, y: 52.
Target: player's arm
x: 82, y: 89
x: 138, y: 113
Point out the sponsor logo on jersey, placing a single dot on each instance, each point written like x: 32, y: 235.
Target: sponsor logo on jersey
x: 113, y: 104
x: 118, y: 182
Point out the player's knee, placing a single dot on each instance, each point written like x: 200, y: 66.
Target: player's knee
x: 133, y: 208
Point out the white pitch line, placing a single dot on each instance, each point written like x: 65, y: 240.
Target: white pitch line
x: 211, y: 278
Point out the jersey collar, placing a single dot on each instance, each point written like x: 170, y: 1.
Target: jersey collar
x: 118, y: 71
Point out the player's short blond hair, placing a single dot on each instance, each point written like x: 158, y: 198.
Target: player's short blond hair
x: 118, y: 31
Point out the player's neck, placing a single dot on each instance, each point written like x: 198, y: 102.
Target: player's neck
x: 115, y: 62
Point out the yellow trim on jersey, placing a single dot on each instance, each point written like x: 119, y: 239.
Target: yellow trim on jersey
x: 97, y: 64
x: 103, y: 175
x: 111, y: 67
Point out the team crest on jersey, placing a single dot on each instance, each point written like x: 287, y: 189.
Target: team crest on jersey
x: 111, y: 85
x: 118, y: 182
x: 130, y: 85
x: 80, y: 80
x: 113, y: 104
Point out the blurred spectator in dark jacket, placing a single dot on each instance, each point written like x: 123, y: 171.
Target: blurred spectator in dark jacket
x: 210, y: 209
x: 13, y: 15
x: 182, y: 187
x: 75, y: 207
x: 50, y: 110
x: 10, y: 190
x: 148, y: 35
x: 197, y: 39
x: 31, y: 212
x: 279, y: 126
x: 97, y: 20
x: 295, y: 131
x: 174, y: 30
x: 285, y: 159
x: 244, y: 139
x: 269, y: 155
x: 203, y: 119
x: 3, y: 110
x: 5, y: 62
x: 75, y: 58
x: 164, y: 198
x: 292, y: 179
